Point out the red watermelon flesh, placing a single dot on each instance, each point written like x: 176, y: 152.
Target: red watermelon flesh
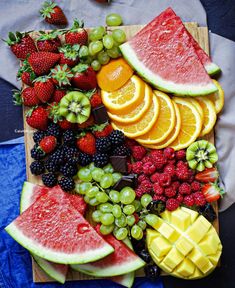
x: 163, y: 54
x: 53, y: 229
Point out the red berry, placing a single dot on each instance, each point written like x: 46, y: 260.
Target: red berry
x: 169, y: 153
x: 159, y: 197
x: 58, y: 95
x: 170, y: 192
x: 190, y: 176
x: 188, y: 200
x: 172, y: 204
x: 164, y: 179
x: 138, y: 152
x: 129, y: 167
x: 95, y: 100
x: 171, y: 162
x: 185, y: 189
x: 130, y: 143
x: 137, y: 167
x: 170, y: 169
x: 156, y: 153
x: 149, y: 168
x: 195, y: 186
x: 139, y: 191
x: 181, y: 164
x: 142, y: 178
x: 182, y: 173
x: 136, y: 217
x: 179, y: 198
x: 158, y: 190
x: 65, y: 124
x: 155, y: 177
x: 175, y: 185
x: 199, y: 199
x: 48, y: 144
x: 146, y: 186
x: 180, y: 155
x: 147, y: 158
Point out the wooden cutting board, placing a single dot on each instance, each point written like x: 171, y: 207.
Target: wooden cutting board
x: 201, y: 35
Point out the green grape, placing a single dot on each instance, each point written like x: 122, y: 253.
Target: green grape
x: 108, y: 168
x: 106, y: 229
x: 105, y: 207
x: 96, y: 215
x: 113, y: 19
x: 87, y: 60
x: 92, y: 192
x: 114, y: 196
x: 86, y: 199
x: 91, y: 49
x: 117, y: 211
x: 106, y: 181
x: 121, y: 221
x: 136, y: 232
x: 94, y: 202
x: 97, y: 33
x: 82, y: 188
x: 142, y: 224
x: 91, y: 166
x: 95, y: 64
x: 108, y: 41
x: 107, y: 218
x: 97, y: 174
x: 145, y: 200
x: 137, y: 204
x: 83, y: 51
x: 127, y: 195
x: 97, y: 46
x: 116, y: 176
x: 151, y: 219
x: 114, y: 52
x: 84, y: 174
x: 102, y: 197
x: 103, y: 57
x: 130, y: 220
x: 129, y: 209
x: 121, y: 233
x: 119, y: 36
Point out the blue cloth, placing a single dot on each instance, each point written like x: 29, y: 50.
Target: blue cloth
x: 15, y: 264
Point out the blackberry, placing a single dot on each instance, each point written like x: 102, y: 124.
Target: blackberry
x: 103, y: 144
x: 116, y: 138
x: 53, y: 130
x: 68, y: 170
x: 37, y: 136
x: 69, y: 138
x: 84, y: 159
x: 49, y: 179
x: 71, y: 155
x: 37, y: 153
x: 208, y: 212
x: 37, y: 167
x: 51, y: 166
x: 58, y: 156
x: 66, y: 183
x: 122, y: 150
x: 100, y: 159
x: 152, y: 271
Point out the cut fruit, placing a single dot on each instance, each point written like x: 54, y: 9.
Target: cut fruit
x: 217, y: 98
x: 174, y: 133
x: 123, y: 260
x: 197, y: 106
x: 164, y: 123
x: 125, y: 98
x: 209, y: 115
x: 50, y: 223
x: 191, y: 124
x: 136, y: 112
x: 143, y: 125
x: 163, y: 54
x: 114, y: 75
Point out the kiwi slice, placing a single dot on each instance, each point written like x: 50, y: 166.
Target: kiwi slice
x: 75, y: 107
x: 201, y: 154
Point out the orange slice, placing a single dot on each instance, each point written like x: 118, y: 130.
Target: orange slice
x: 164, y: 124
x: 197, y: 106
x: 114, y: 75
x: 143, y: 125
x: 125, y: 98
x: 137, y: 112
x: 217, y: 97
x: 174, y: 133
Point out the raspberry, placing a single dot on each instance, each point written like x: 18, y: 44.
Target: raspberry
x: 129, y: 167
x: 142, y: 178
x: 172, y: 204
x: 158, y: 190
x: 147, y: 158
x: 190, y: 176
x: 188, y: 200
x: 181, y: 164
x: 195, y: 186
x: 138, y: 152
x: 185, y: 189
x: 164, y: 179
x: 139, y: 191
x: 175, y: 185
x: 179, y: 198
x: 159, y: 162
x: 137, y: 167
x: 170, y: 192
x: 149, y: 168
x: 156, y: 153
x: 159, y: 197
x: 182, y: 173
x: 199, y: 199
x: 180, y: 155
x: 130, y: 143
x: 171, y: 162
x: 146, y: 186
x: 170, y: 169
x: 169, y: 153
x: 155, y: 177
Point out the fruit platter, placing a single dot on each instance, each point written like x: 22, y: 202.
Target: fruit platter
x: 120, y: 155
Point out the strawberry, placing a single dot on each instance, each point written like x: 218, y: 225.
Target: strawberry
x: 84, y: 77
x: 48, y: 144
x: 44, y: 88
x: 61, y: 75
x: 26, y: 74
x: 89, y: 122
x: 48, y: 42
x: 37, y: 118
x: 26, y: 97
x: 86, y: 143
x: 42, y: 62
x: 58, y: 95
x: 77, y: 34
x: 53, y: 14
x: 95, y: 100
x: 102, y: 130
x: 21, y: 44
x: 65, y: 124
x: 69, y: 55
x: 208, y: 175
x: 212, y: 192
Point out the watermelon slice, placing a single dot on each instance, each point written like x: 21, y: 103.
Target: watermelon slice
x: 163, y: 54
x: 122, y: 261
x: 53, y: 229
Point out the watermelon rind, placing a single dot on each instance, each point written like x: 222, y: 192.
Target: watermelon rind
x: 160, y: 83
x: 26, y: 194
x: 212, y: 68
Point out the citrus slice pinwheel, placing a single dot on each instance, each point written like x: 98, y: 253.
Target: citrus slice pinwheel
x: 217, y: 97
x: 197, y: 106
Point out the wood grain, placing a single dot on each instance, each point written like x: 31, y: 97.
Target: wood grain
x: 201, y: 35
